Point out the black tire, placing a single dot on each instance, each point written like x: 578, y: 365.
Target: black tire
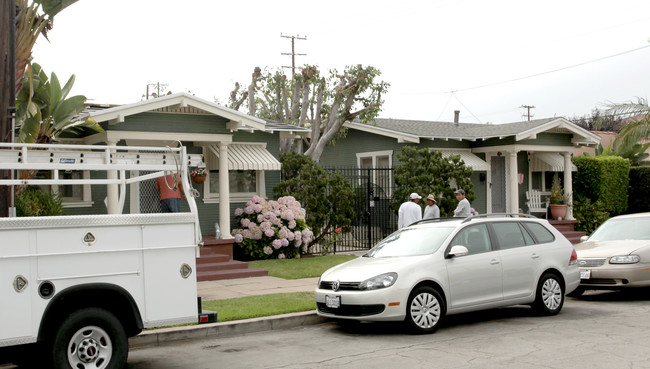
x: 90, y: 338
x: 549, y: 297
x: 425, y: 310
x: 577, y: 292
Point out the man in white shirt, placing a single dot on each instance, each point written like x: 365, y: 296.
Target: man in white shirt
x: 463, y: 210
x: 409, y: 212
x: 432, y: 210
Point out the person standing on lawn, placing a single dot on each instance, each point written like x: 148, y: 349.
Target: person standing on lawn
x: 463, y: 210
x: 432, y: 210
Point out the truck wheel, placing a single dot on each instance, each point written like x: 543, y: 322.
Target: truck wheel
x: 91, y: 338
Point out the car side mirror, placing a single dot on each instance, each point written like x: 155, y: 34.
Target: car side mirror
x: 584, y: 238
x: 457, y: 250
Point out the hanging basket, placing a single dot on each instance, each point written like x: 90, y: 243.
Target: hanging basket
x: 198, y: 179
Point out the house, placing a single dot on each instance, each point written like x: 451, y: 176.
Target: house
x: 240, y: 153
x: 508, y: 159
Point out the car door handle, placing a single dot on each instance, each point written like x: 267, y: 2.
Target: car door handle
x: 534, y: 256
x: 494, y: 262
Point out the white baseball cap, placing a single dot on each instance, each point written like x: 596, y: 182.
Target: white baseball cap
x: 414, y: 196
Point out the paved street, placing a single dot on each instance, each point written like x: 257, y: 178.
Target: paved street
x: 599, y: 330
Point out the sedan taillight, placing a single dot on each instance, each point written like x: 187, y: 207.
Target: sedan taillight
x: 574, y: 258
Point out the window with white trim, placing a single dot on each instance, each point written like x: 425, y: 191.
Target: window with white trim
x: 77, y: 195
x: 378, y: 160
x: 243, y: 184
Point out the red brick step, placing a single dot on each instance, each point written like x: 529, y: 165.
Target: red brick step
x: 216, y: 262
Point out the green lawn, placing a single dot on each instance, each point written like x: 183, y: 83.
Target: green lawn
x: 304, y: 267
x: 281, y: 303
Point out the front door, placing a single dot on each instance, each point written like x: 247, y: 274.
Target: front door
x: 498, y: 184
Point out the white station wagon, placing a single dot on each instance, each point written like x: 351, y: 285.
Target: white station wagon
x: 437, y: 267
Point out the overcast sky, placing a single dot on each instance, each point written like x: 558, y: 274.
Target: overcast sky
x: 438, y: 56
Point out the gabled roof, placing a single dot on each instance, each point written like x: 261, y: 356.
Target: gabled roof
x: 238, y: 120
x: 414, y: 130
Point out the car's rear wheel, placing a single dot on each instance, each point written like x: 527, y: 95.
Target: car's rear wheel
x: 549, y: 296
x: 425, y: 310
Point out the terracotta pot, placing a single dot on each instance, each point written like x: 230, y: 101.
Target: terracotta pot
x: 558, y: 211
x: 198, y: 179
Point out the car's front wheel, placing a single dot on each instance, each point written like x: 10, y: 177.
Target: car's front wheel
x: 549, y: 297
x: 90, y: 338
x: 425, y: 310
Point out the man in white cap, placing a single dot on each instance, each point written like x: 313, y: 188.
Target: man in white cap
x: 463, y: 210
x: 432, y: 210
x: 409, y: 212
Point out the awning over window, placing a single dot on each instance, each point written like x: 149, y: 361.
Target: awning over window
x: 548, y: 162
x: 470, y: 159
x: 244, y: 157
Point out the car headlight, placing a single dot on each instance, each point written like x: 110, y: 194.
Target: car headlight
x: 624, y: 259
x: 380, y: 281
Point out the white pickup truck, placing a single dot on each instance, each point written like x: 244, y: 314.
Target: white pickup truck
x: 76, y: 287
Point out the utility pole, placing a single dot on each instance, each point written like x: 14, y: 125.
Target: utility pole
x: 7, y: 95
x: 157, y: 85
x: 293, y: 52
x: 528, y: 107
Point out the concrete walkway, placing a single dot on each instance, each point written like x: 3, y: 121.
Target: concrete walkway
x: 253, y: 286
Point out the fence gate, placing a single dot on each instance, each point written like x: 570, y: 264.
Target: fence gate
x: 373, y: 219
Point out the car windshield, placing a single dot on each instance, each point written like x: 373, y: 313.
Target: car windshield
x: 410, y: 242
x: 623, y: 229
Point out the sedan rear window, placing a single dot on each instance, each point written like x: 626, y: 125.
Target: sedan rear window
x: 411, y: 242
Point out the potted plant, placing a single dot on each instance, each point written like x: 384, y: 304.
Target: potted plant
x: 198, y: 175
x: 558, y: 200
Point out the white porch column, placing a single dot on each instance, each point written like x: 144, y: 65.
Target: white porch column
x: 112, y: 192
x: 224, y: 191
x: 568, y: 184
x: 513, y: 186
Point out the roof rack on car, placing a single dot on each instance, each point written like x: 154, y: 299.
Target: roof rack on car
x: 430, y: 220
x: 495, y: 215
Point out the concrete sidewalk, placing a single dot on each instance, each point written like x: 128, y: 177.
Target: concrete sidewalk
x: 233, y: 288
x: 253, y: 286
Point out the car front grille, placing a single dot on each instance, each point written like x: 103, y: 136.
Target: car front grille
x: 343, y: 286
x: 591, y: 262
x: 351, y: 310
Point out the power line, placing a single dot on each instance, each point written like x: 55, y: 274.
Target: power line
x: 528, y: 107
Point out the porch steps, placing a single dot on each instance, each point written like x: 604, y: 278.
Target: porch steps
x: 566, y: 227
x: 216, y: 262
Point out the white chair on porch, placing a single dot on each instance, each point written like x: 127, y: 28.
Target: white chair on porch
x: 535, y: 204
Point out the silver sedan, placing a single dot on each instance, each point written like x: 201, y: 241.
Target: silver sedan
x: 616, y: 255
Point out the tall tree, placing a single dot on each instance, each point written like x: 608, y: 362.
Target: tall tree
x: 44, y: 111
x: 30, y: 24
x: 636, y: 118
x: 311, y: 100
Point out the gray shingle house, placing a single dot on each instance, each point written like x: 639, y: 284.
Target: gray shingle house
x: 508, y: 159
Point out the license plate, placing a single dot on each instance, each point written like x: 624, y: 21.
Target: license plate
x: 333, y: 301
x: 585, y: 274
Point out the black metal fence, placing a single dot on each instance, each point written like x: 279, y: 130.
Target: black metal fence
x: 374, y: 219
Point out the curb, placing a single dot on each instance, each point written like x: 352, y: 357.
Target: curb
x: 285, y: 321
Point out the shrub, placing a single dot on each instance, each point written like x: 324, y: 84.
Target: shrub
x: 33, y: 202
x: 639, y: 190
x: 425, y: 171
x: 589, y: 215
x: 271, y: 229
x: 604, y: 179
x: 327, y: 196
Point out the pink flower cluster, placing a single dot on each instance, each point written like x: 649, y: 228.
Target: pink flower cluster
x: 272, y: 228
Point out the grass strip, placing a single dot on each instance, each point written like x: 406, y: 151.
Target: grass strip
x: 260, y: 306
x: 304, y: 267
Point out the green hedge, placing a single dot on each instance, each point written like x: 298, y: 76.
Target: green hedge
x: 603, y: 179
x: 639, y: 190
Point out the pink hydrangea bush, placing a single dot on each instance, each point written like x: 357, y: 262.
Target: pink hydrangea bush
x: 272, y: 229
